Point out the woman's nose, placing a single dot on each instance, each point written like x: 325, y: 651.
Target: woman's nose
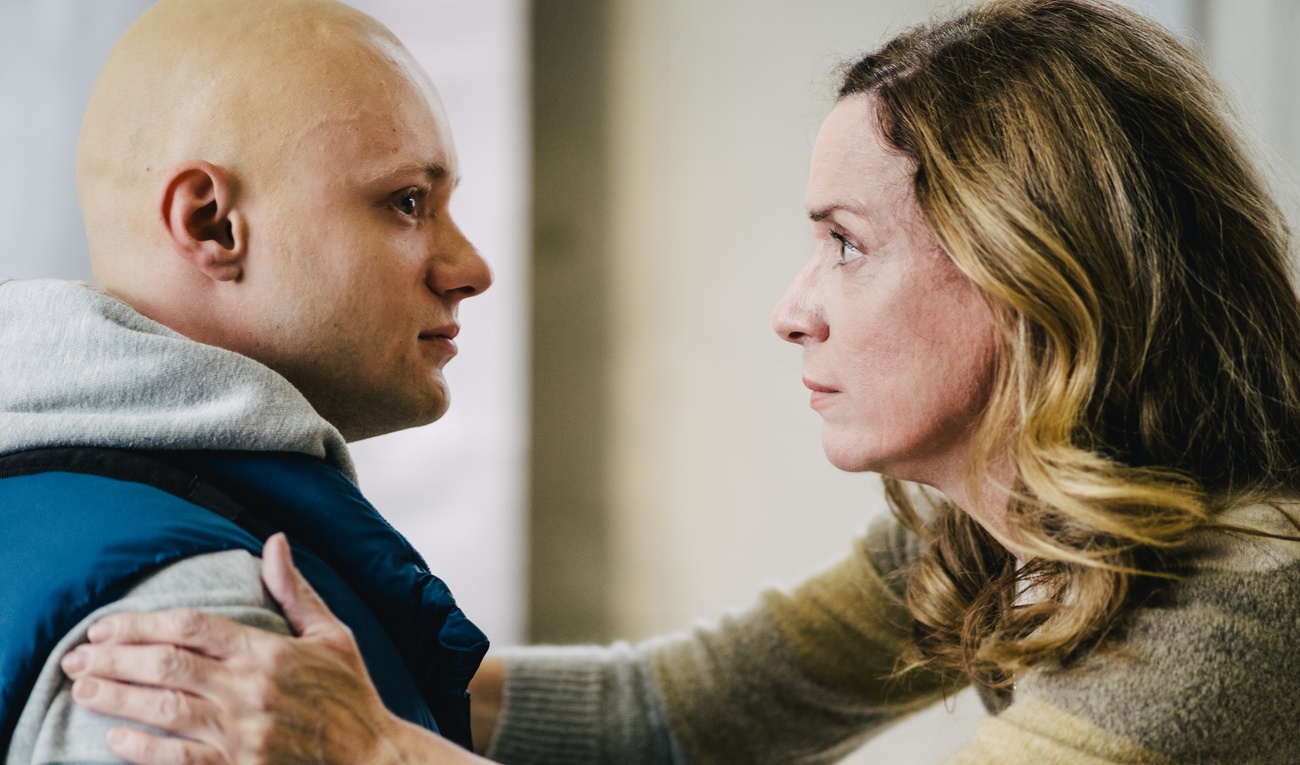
x: 798, y: 317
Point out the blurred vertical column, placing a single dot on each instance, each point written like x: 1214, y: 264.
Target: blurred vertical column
x: 570, y: 566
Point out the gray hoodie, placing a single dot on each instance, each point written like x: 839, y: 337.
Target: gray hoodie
x: 80, y: 368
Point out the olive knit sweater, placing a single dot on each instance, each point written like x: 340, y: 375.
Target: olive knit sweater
x: 1209, y: 673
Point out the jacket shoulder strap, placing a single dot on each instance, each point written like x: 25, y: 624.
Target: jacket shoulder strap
x: 149, y: 468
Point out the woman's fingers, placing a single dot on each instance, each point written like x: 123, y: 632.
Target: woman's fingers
x: 141, y: 748
x: 207, y: 634
x: 172, y: 711
x: 222, y: 638
x: 307, y: 613
x: 258, y: 697
x: 167, y: 665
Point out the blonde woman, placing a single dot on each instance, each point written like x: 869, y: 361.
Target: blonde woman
x: 1050, y: 285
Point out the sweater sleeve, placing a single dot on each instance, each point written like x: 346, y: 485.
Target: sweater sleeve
x: 53, y: 729
x: 1033, y: 732
x: 1205, y: 671
x: 803, y: 676
x: 582, y: 705
x: 808, y: 675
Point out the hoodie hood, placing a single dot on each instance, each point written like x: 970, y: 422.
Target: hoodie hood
x: 79, y: 367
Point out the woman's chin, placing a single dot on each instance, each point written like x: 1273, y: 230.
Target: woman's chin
x: 848, y: 456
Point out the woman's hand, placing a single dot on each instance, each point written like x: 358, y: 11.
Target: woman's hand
x: 238, y: 695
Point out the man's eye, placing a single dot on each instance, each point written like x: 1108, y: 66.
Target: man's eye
x: 409, y: 203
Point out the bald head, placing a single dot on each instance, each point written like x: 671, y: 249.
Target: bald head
x: 237, y: 83
x: 272, y: 177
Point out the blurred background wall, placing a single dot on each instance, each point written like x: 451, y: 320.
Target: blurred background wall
x: 630, y: 449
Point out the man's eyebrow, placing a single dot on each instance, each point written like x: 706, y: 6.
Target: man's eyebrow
x: 436, y: 172
x: 439, y: 174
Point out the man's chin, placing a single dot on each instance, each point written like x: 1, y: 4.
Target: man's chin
x: 438, y: 411
x: 432, y: 406
x: 395, y: 416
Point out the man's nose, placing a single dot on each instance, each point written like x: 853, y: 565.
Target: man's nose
x: 457, y: 269
x: 798, y: 317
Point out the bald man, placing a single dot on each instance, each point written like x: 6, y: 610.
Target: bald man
x: 265, y: 186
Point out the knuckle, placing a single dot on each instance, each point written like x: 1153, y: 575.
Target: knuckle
x: 277, y: 652
x: 187, y: 756
x: 261, y: 691
x: 282, y: 654
x: 340, y: 636
x: 188, y: 624
x: 174, y: 665
x: 257, y: 734
x: 145, y: 749
x: 170, y: 709
x: 133, y: 746
x: 181, y: 755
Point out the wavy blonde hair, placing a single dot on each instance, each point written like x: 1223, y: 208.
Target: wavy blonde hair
x: 1077, y: 162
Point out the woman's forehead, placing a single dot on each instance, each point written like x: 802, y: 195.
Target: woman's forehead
x: 854, y: 168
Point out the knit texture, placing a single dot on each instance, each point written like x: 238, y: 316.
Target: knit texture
x: 1206, y: 672
x: 582, y: 705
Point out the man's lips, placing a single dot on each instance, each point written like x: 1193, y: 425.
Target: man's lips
x: 443, y: 337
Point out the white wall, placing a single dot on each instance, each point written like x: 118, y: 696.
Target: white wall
x: 50, y: 55
x: 1254, y: 46
x: 456, y: 488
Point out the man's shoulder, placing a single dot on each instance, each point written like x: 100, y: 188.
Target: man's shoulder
x: 78, y: 540
x: 52, y: 728
x: 72, y: 543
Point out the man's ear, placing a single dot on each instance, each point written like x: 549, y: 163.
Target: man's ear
x: 198, y: 214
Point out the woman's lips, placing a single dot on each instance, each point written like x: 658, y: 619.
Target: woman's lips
x: 821, y: 394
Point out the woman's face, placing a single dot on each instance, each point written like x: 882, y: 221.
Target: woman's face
x: 898, y: 346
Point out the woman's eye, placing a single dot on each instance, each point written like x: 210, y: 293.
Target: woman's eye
x: 848, y: 252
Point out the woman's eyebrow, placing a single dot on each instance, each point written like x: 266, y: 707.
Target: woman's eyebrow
x: 818, y: 214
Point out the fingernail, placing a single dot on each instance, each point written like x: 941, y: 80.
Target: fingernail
x: 73, y: 662
x: 117, y: 736
x: 100, y: 631
x: 85, y: 689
